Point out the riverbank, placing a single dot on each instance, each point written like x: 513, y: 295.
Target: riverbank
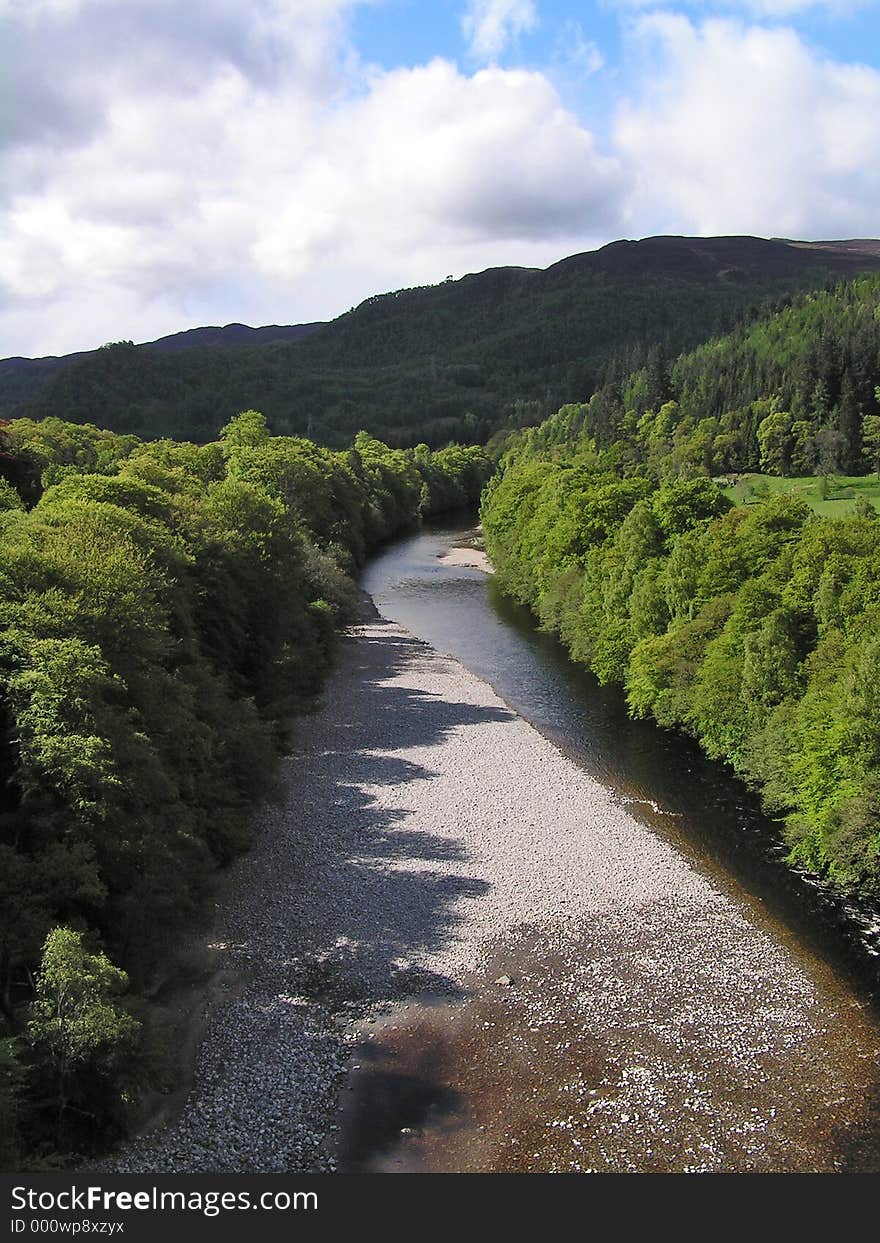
x: 605, y: 1005
x: 469, y: 552
x: 468, y: 558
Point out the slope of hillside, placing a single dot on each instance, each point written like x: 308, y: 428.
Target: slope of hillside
x: 21, y: 378
x: 231, y: 334
x: 791, y: 393
x: 753, y: 628
x: 459, y: 359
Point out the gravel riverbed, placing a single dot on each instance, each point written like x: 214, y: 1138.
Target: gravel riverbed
x: 431, y: 842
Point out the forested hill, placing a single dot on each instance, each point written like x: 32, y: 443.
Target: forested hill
x: 791, y: 393
x: 753, y: 627
x: 451, y: 361
x: 21, y: 378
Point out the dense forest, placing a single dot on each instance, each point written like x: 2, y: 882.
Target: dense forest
x: 792, y: 393
x: 755, y: 627
x: 459, y: 360
x: 166, y: 609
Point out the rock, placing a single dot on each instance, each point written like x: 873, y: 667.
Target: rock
x: 504, y: 980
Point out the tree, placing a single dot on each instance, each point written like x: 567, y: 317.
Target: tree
x: 820, y: 404
x: 685, y: 503
x: 776, y: 443
x: 9, y: 498
x: 848, y: 420
x: 245, y: 431
x: 79, y: 1031
x: 803, y: 453
x: 11, y: 1082
x: 871, y: 439
x: 829, y: 446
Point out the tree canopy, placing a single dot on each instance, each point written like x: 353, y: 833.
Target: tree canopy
x: 167, y: 609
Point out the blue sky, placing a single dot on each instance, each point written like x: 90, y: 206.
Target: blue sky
x: 402, y: 32
x: 395, y: 33
x: 164, y: 164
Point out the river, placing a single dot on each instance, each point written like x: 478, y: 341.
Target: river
x: 697, y: 802
x: 667, y: 783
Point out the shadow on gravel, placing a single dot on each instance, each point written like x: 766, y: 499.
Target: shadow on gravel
x: 386, y: 1104
x: 414, y: 844
x: 856, y: 1147
x: 379, y: 902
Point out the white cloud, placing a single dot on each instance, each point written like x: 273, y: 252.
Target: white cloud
x: 167, y: 165
x: 492, y: 156
x: 788, y: 8
x: 489, y: 25
x: 580, y: 52
x: 207, y: 163
x: 35, y: 10
x: 747, y: 130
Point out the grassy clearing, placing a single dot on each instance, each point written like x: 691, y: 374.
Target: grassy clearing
x: 841, y: 496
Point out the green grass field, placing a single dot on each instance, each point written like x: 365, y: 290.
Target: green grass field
x: 841, y: 498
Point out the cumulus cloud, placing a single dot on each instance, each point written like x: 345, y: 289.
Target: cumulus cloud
x: 489, y: 25
x: 485, y: 157
x: 207, y: 162
x: 167, y: 165
x: 748, y: 130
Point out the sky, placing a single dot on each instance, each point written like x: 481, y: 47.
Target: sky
x: 167, y: 164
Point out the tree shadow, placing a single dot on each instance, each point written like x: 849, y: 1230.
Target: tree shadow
x: 396, y: 1091
x: 855, y: 1145
x: 376, y: 891
x: 345, y: 900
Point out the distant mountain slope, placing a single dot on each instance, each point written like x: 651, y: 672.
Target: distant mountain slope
x: 791, y: 393
x: 458, y: 359
x: 24, y: 376
x: 231, y: 334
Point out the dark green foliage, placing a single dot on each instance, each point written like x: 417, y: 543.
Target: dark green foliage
x: 793, y: 393
x: 455, y: 361
x: 165, y: 608
x: 82, y: 1043
x: 11, y: 1086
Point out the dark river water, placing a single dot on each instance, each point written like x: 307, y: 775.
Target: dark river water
x: 696, y: 802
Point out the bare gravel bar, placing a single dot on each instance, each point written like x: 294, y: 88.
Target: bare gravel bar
x: 430, y: 838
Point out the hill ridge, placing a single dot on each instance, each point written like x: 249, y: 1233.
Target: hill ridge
x: 455, y: 360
